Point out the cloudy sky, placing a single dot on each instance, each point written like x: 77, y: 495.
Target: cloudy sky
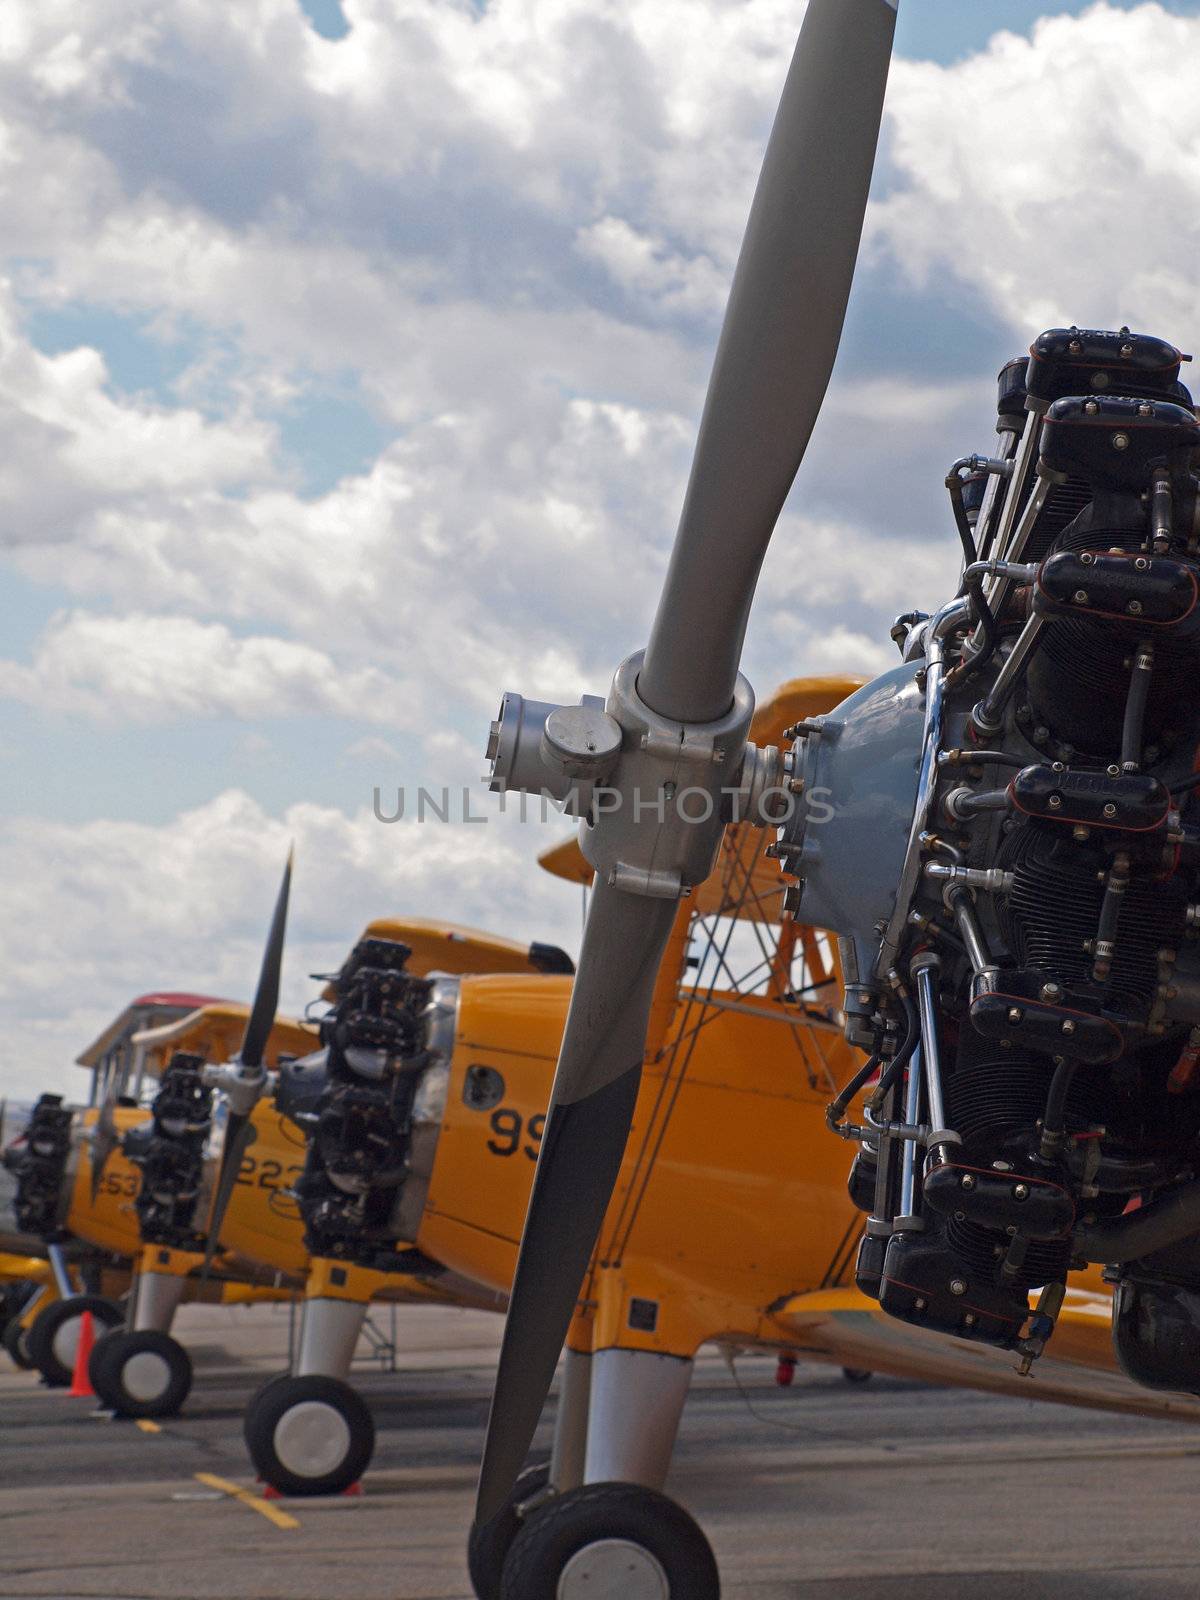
x: 350, y: 360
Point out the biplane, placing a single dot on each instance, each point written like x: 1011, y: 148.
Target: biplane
x: 998, y: 830
x: 56, y: 1210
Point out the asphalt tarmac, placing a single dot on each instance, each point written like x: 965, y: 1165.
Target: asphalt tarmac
x: 886, y: 1491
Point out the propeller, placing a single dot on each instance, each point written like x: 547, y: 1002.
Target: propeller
x: 245, y: 1077
x: 679, y: 714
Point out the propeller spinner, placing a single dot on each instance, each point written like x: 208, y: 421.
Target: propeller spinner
x: 677, y: 717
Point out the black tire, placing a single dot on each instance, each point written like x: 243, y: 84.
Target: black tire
x: 276, y: 1377
x: 488, y: 1546
x: 143, y: 1374
x: 47, y: 1345
x: 560, y: 1535
x: 857, y: 1375
x: 286, y: 1445
x: 101, y: 1350
x: 16, y: 1342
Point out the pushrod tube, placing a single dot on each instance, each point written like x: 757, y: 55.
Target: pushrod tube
x: 946, y: 620
x: 988, y: 716
x: 930, y: 1054
x: 994, y: 494
x: 908, y: 1158
x: 1026, y: 450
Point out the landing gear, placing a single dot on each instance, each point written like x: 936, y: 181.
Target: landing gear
x: 140, y: 1374
x: 488, y: 1546
x: 610, y: 1539
x: 16, y: 1342
x: 309, y: 1435
x: 857, y: 1375
x: 54, y: 1336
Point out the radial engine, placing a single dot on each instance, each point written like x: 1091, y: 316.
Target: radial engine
x: 170, y: 1151
x: 1005, y: 832
x: 384, y: 1069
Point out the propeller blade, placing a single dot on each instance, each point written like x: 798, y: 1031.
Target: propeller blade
x: 776, y: 351
x: 591, y: 1108
x: 266, y: 999
x: 240, y: 1134
x: 239, y: 1131
x: 771, y: 370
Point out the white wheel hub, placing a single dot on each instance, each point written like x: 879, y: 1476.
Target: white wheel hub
x: 613, y: 1569
x: 65, y: 1343
x: 311, y: 1439
x: 145, y: 1376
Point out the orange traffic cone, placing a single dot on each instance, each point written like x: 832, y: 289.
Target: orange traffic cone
x: 81, y: 1384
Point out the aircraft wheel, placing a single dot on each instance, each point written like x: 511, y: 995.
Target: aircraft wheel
x: 857, y: 1375
x: 16, y: 1342
x: 142, y: 1374
x: 488, y: 1546
x: 54, y: 1336
x: 101, y: 1350
x: 610, y: 1538
x: 276, y: 1377
x: 310, y: 1435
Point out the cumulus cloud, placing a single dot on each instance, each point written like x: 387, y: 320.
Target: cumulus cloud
x: 100, y: 913
x: 1027, y: 174
x: 315, y: 192
x: 645, y: 268
x: 71, y: 450
x: 518, y: 523
x: 464, y: 555
x: 373, y: 748
x: 148, y: 669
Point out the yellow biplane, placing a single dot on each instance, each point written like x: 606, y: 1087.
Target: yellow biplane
x: 84, y: 1232
x: 258, y: 1233
x: 966, y: 822
x: 731, y: 1221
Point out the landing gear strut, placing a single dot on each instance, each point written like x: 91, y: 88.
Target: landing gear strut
x: 141, y: 1371
x: 310, y: 1432
x: 595, y: 1522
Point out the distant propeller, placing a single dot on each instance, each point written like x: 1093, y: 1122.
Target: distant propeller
x: 245, y: 1078
x: 682, y: 711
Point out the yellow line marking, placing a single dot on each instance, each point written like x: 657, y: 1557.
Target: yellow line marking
x: 254, y: 1501
x: 147, y: 1426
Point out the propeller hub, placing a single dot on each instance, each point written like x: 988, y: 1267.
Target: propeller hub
x: 241, y: 1085
x: 559, y: 751
x: 654, y: 794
